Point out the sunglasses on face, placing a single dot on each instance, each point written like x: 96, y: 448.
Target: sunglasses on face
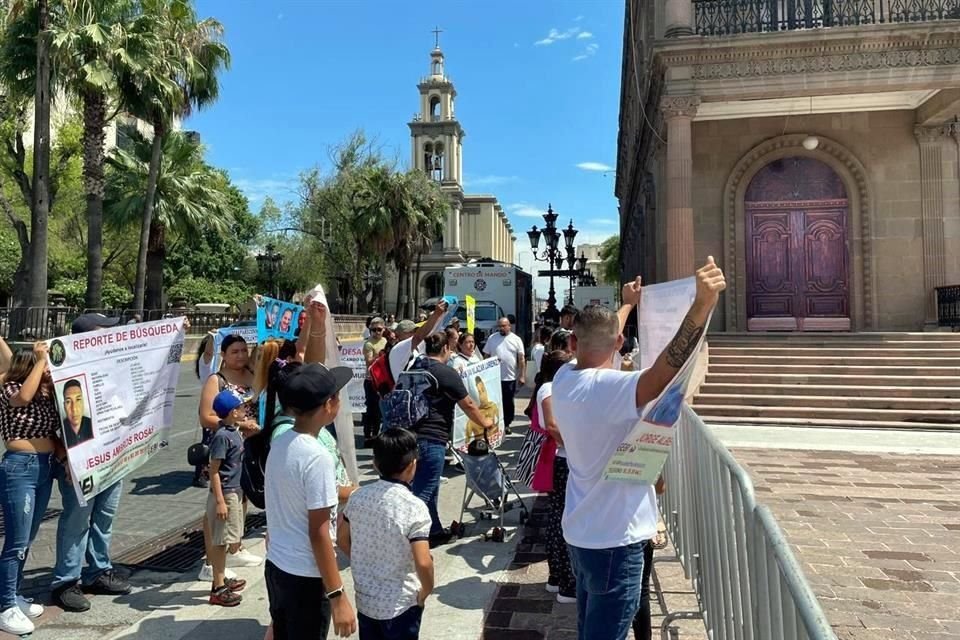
x: 376, y: 330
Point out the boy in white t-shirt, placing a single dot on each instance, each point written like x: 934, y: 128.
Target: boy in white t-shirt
x: 607, y: 524
x: 386, y: 534
x: 303, y: 581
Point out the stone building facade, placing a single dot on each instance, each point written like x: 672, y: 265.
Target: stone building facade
x: 812, y: 147
x: 476, y: 226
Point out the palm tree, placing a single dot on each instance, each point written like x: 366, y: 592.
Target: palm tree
x: 190, y: 197
x: 181, y: 76
x: 92, y: 47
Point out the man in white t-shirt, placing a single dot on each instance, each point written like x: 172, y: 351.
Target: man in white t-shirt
x: 508, y: 346
x: 607, y: 524
x: 303, y: 581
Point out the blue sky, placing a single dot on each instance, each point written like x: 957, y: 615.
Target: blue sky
x: 538, y: 86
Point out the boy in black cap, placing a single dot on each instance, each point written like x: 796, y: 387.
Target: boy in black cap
x: 303, y: 580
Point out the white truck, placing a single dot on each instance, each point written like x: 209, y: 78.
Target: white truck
x: 606, y: 296
x: 494, y: 284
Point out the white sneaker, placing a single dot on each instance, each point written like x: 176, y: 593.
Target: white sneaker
x: 243, y: 558
x: 29, y: 607
x: 206, y: 574
x: 553, y: 588
x: 13, y: 621
x: 562, y: 599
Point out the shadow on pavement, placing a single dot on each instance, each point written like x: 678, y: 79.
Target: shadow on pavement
x: 165, y: 484
x: 218, y: 628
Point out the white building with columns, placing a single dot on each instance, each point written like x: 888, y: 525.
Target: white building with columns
x: 477, y: 226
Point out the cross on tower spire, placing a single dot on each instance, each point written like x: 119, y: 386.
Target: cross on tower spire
x: 436, y: 33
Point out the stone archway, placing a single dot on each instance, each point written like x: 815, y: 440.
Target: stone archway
x: 854, y: 177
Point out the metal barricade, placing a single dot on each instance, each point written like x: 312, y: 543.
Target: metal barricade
x: 748, y: 582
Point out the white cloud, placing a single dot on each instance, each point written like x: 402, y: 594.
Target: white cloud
x: 590, y: 50
x: 556, y: 34
x: 602, y: 221
x: 584, y: 35
x: 578, y: 19
x: 594, y: 166
x: 257, y: 189
x: 488, y: 181
x: 525, y: 210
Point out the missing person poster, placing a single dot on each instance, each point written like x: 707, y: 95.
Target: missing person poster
x: 641, y: 456
x: 663, y: 309
x: 351, y: 355
x: 482, y: 381
x: 115, y: 390
x: 278, y: 319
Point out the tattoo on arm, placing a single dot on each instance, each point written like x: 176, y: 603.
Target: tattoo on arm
x: 683, y: 344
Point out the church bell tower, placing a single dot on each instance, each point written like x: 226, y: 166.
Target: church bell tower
x: 436, y: 139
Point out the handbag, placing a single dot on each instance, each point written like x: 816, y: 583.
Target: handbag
x: 198, y: 454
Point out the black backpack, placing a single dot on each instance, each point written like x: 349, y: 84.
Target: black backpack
x: 253, y: 472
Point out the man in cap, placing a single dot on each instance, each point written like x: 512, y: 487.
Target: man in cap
x: 410, y: 339
x: 85, y: 531
x: 304, y: 586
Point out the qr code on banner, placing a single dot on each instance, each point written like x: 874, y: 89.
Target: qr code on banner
x: 176, y: 352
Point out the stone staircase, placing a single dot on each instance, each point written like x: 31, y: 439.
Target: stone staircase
x: 868, y: 380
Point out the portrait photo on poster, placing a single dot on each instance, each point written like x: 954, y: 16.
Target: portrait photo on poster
x: 72, y: 399
x: 273, y: 314
x: 286, y: 322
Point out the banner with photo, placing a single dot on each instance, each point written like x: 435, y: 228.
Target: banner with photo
x: 641, y: 456
x: 351, y: 355
x: 482, y: 381
x: 115, y: 390
x: 278, y: 319
x: 664, y: 307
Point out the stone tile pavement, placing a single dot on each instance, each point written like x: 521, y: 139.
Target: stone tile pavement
x: 878, y: 535
x: 523, y: 610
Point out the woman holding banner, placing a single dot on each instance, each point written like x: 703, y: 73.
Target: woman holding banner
x: 29, y: 424
x: 466, y: 353
x: 318, y: 343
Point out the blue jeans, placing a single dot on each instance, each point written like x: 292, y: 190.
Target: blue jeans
x: 25, y: 484
x: 426, y: 482
x: 405, y: 626
x: 608, y: 590
x: 84, y: 531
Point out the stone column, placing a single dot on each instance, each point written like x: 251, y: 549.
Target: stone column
x: 678, y: 111
x: 933, y: 204
x: 679, y: 18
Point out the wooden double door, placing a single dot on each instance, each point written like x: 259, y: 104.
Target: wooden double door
x: 797, y: 250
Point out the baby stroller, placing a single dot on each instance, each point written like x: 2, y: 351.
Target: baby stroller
x: 487, y: 479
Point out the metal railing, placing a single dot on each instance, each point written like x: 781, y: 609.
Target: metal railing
x: 948, y: 306
x: 731, y: 17
x: 748, y: 582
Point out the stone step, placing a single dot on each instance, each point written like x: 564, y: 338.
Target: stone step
x: 745, y: 379
x: 784, y: 336
x: 791, y: 357
x: 829, y: 413
x: 827, y: 367
x: 829, y: 423
x: 893, y: 403
x: 723, y: 387
x: 832, y: 344
x: 817, y: 353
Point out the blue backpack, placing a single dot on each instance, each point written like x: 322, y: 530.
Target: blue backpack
x: 407, y: 404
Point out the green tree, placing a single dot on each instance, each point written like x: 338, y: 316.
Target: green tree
x: 610, y: 260
x: 94, y: 44
x: 190, y: 199
x: 181, y: 76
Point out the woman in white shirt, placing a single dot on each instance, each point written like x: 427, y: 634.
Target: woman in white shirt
x: 466, y: 354
x: 536, y: 351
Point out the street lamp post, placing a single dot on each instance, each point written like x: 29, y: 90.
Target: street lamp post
x: 269, y: 263
x: 554, y: 254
